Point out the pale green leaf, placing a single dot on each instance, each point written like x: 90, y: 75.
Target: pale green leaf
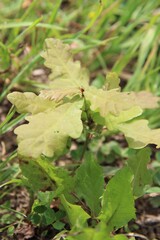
x: 146, y: 100
x: 111, y: 101
x: 67, y: 74
x: 118, y: 201
x: 112, y: 81
x: 138, y: 134
x: 29, y: 102
x: 113, y: 106
x: 90, y: 183
x: 47, y: 132
x: 112, y: 121
x: 76, y: 215
x: 58, y: 94
x: 137, y: 162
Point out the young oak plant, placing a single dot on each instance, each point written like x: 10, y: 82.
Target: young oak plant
x: 66, y: 108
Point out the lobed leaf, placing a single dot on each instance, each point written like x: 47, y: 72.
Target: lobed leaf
x: 139, y: 135
x: 146, y: 99
x: 47, y: 132
x: 113, y: 106
x: 113, y: 101
x: 106, y: 102
x: 67, y: 74
x: 29, y: 102
x: 58, y: 94
x: 118, y: 201
x: 112, y: 121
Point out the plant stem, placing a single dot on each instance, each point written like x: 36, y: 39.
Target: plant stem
x: 88, y: 127
x: 85, y: 146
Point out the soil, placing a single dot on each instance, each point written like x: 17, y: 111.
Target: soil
x: 146, y: 226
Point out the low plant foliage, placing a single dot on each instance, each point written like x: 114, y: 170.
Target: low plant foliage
x: 68, y: 108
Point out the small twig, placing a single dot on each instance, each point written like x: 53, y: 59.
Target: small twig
x: 31, y: 201
x: 136, y: 235
x: 82, y: 203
